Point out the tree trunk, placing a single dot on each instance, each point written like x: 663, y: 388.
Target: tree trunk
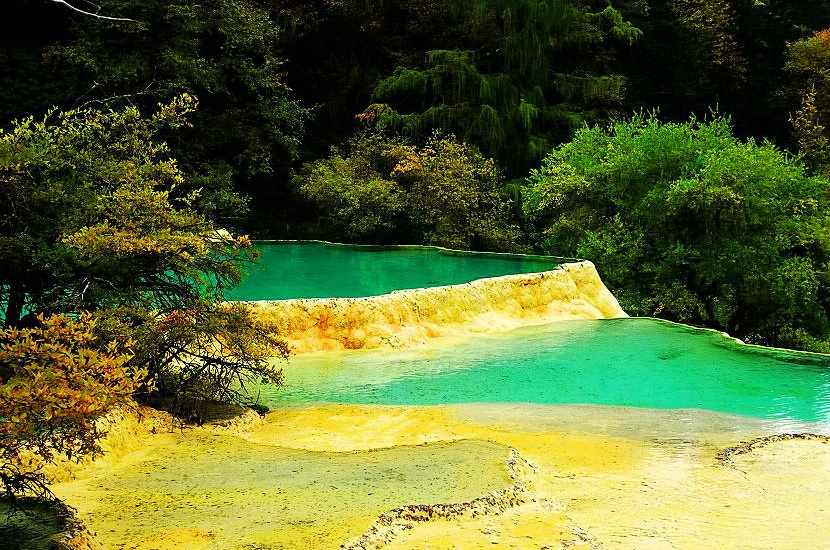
x: 14, y: 307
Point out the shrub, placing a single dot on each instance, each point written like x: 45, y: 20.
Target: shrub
x: 56, y: 381
x: 689, y: 223
x: 385, y: 190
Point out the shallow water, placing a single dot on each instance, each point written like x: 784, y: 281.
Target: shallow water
x: 31, y: 528
x: 621, y: 362
x: 198, y: 490
x: 604, y: 477
x: 322, y: 270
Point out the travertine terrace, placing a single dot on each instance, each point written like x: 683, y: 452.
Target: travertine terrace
x: 412, y: 317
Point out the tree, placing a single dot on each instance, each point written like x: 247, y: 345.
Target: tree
x: 336, y: 52
x: 713, y: 21
x: 31, y: 85
x: 691, y: 224
x: 56, y: 382
x: 92, y: 220
x: 696, y: 55
x: 225, y: 52
x: 519, y: 90
x: 385, y: 190
x: 809, y: 68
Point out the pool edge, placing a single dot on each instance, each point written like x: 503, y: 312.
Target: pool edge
x: 413, y: 317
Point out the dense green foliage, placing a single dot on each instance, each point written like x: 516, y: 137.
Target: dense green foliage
x: 384, y: 190
x: 689, y: 223
x: 513, y: 77
x: 809, y: 67
x: 84, y: 191
x: 696, y: 55
x: 514, y: 95
x: 224, y: 52
x: 693, y: 55
x: 93, y: 220
x: 246, y: 132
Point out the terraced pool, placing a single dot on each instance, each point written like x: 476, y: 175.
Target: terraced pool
x: 311, y: 269
x: 616, y: 421
x: 622, y: 362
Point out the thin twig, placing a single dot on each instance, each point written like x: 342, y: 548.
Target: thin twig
x: 89, y: 13
x: 148, y: 91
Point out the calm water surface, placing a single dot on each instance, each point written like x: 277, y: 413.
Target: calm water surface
x: 623, y: 362
x: 322, y: 270
x: 626, y: 362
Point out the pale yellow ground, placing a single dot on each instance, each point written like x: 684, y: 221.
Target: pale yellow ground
x: 610, y: 478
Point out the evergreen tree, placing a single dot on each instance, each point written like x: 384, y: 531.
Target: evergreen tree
x: 728, y: 55
x: 809, y: 68
x: 527, y: 84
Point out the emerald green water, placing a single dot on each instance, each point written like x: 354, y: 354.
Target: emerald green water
x: 322, y: 270
x: 622, y: 362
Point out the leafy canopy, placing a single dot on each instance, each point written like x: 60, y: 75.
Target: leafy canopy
x: 126, y: 275
x: 91, y: 216
x: 517, y: 92
x: 808, y: 66
x: 225, y: 52
x: 385, y: 190
x: 692, y: 224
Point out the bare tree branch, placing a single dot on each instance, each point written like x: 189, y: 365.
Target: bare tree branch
x: 147, y: 91
x: 91, y: 14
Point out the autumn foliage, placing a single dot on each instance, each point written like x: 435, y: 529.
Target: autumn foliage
x: 56, y: 382
x: 112, y: 279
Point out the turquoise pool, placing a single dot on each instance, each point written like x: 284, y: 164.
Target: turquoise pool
x: 622, y: 362
x: 311, y: 269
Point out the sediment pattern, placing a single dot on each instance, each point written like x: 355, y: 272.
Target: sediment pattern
x: 390, y: 524
x: 577, y: 477
x: 724, y: 457
x: 123, y: 428
x: 412, y: 317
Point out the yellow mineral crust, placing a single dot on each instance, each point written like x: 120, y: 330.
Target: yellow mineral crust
x: 211, y: 489
x: 412, y: 317
x: 467, y: 477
